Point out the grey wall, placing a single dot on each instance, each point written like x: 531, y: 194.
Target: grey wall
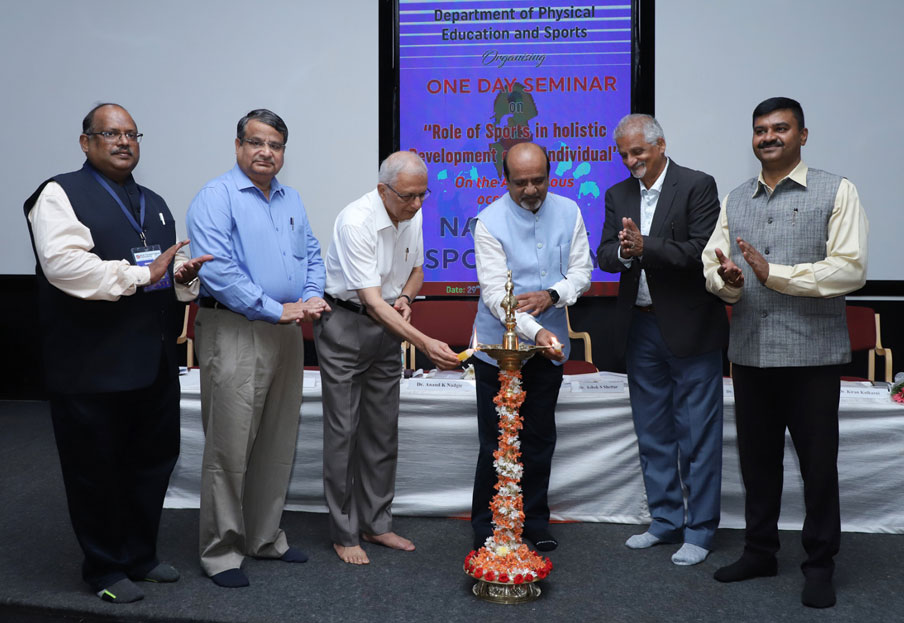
x: 717, y: 59
x: 188, y: 70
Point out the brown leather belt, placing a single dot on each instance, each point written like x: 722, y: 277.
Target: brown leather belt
x: 644, y: 308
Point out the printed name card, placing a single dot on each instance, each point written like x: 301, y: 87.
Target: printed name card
x: 598, y: 386
x: 850, y: 392
x: 864, y: 393
x: 441, y: 386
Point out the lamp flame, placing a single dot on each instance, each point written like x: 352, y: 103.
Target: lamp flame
x: 472, y: 348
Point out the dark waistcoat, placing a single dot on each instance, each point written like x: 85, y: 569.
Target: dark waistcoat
x: 770, y: 329
x: 107, y: 346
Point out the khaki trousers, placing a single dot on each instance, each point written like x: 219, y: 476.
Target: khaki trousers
x: 360, y: 368
x: 251, y: 386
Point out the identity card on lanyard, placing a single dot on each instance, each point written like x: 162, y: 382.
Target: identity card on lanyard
x: 145, y: 254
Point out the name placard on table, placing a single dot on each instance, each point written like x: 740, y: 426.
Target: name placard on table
x: 864, y: 392
x: 438, y: 386
x: 851, y: 391
x: 596, y: 384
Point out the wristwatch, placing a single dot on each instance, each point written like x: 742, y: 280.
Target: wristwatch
x: 553, y: 295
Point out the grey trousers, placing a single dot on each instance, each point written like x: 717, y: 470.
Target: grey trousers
x: 251, y: 384
x: 360, y: 368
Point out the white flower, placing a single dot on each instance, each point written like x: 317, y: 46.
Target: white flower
x: 509, y: 469
x: 510, y: 490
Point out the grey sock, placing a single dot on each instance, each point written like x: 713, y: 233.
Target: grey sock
x: 121, y: 592
x: 162, y: 573
x: 690, y: 554
x: 642, y: 541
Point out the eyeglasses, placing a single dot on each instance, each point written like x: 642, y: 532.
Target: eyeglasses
x: 412, y: 196
x: 113, y: 135
x: 256, y: 144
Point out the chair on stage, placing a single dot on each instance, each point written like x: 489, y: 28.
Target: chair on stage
x: 865, y: 331
x: 578, y: 366
x: 187, y: 336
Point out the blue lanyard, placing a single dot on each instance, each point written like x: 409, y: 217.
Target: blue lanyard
x: 139, y: 228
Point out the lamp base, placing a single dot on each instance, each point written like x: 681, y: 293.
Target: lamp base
x: 506, y: 593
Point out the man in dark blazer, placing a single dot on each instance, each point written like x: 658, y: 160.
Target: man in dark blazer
x: 671, y: 332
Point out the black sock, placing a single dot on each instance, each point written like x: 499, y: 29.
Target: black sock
x: 818, y: 593
x: 231, y: 578
x: 293, y: 554
x: 747, y: 567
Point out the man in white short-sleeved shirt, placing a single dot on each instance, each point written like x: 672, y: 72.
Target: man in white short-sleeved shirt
x: 373, y: 272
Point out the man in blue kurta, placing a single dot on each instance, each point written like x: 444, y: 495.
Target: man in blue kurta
x: 541, y: 238
x: 266, y: 276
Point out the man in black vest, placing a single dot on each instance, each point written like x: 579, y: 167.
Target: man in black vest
x: 109, y: 320
x: 802, y: 234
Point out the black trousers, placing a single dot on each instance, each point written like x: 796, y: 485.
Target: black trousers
x: 805, y: 401
x: 541, y: 380
x: 117, y: 451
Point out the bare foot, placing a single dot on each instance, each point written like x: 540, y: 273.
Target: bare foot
x: 390, y: 539
x: 352, y: 554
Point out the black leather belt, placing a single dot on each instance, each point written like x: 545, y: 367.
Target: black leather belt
x: 349, y: 305
x: 211, y: 303
x: 644, y: 308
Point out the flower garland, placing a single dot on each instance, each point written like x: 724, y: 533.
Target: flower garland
x: 897, y: 391
x: 504, y: 558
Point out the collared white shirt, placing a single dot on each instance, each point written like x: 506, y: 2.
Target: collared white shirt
x: 649, y: 199
x: 367, y: 250
x: 63, y: 244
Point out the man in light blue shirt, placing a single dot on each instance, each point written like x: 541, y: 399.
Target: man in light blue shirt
x: 266, y: 277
